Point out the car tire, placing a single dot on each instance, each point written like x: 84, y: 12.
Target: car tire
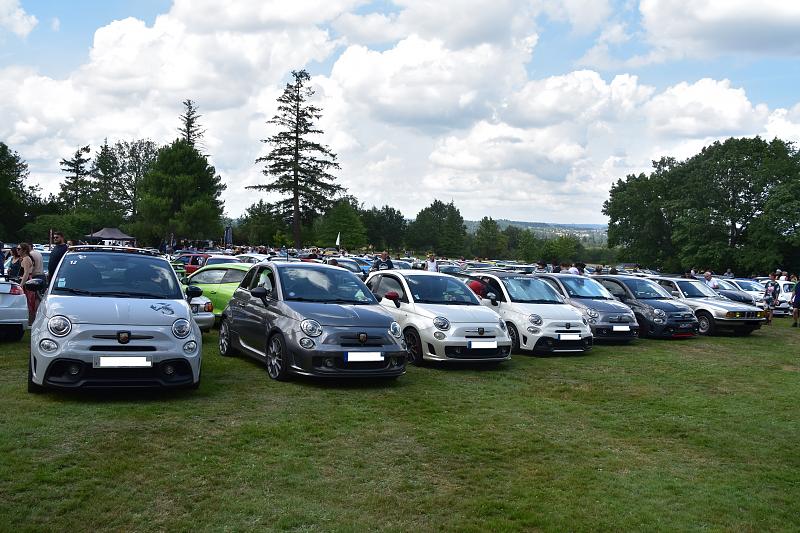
x: 33, y: 388
x: 277, y: 364
x: 413, y: 347
x: 514, y: 334
x: 706, y: 323
x: 225, y: 344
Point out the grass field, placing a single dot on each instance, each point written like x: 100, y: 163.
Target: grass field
x: 701, y: 434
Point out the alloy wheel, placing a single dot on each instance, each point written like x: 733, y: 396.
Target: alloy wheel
x: 275, y: 357
x: 224, y: 337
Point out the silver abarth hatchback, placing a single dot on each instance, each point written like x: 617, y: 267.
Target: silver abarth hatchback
x: 114, y: 317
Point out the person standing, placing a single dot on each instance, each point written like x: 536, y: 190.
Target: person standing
x: 382, y: 263
x: 56, y: 253
x: 795, y: 305
x: 15, y: 266
x: 431, y: 265
x: 710, y: 281
x: 2, y: 259
x: 772, y: 291
x: 32, y: 268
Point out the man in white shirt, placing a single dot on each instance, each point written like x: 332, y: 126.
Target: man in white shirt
x: 711, y: 282
x: 431, y: 264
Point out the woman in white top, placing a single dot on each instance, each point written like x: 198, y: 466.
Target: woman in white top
x: 432, y: 265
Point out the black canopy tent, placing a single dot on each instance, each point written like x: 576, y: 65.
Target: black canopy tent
x: 111, y: 236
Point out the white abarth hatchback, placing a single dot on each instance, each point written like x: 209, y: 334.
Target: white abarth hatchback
x: 114, y: 317
x: 538, y: 319
x: 441, y: 318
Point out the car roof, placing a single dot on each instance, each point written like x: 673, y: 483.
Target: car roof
x: 84, y: 248
x: 280, y: 265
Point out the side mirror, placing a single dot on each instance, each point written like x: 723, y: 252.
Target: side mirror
x: 35, y: 285
x: 261, y: 293
x: 492, y: 297
x: 393, y: 296
x: 193, y: 291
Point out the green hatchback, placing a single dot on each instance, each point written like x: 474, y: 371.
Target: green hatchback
x: 219, y: 281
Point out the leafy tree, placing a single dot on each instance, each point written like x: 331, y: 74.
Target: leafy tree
x: 180, y: 195
x: 16, y: 198
x: 512, y: 234
x: 341, y: 219
x: 259, y: 225
x: 105, y: 173
x: 297, y: 166
x: 190, y: 130
x: 440, y: 228
x: 563, y: 248
x: 76, y: 188
x: 490, y: 242
x: 386, y: 227
x: 530, y: 247
x: 135, y: 160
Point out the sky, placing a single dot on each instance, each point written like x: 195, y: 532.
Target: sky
x: 522, y: 110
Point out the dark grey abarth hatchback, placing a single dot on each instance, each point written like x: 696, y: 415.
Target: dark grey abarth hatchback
x: 311, y: 319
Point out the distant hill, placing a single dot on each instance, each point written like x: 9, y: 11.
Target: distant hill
x: 590, y: 234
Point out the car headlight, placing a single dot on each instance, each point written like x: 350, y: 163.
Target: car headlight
x: 501, y: 324
x: 591, y: 313
x: 441, y: 323
x: 394, y: 329
x: 48, y: 346
x: 311, y: 328
x: 181, y: 328
x: 536, y: 320
x: 60, y: 326
x: 190, y: 347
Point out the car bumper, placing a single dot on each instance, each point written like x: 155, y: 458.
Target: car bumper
x: 205, y: 321
x: 615, y: 331
x: 330, y: 358
x: 14, y: 316
x: 76, y: 362
x: 750, y: 323
x: 673, y: 330
x: 458, y: 346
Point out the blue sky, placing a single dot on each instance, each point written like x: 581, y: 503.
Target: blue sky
x: 538, y: 104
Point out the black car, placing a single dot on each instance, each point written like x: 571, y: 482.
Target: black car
x: 608, y: 318
x: 311, y: 319
x: 657, y: 312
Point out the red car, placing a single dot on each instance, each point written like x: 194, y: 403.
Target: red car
x: 192, y: 261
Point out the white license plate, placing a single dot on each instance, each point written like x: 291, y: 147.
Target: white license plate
x: 482, y: 344
x: 621, y: 328
x: 362, y: 357
x: 569, y: 336
x: 122, y: 362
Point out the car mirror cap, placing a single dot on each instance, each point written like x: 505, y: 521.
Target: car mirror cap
x: 193, y: 291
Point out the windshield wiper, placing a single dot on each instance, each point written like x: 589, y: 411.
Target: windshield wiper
x: 123, y: 294
x: 81, y: 292
x: 349, y: 302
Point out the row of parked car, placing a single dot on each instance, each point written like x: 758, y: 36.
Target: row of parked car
x: 122, y: 317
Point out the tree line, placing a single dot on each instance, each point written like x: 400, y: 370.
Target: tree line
x: 735, y: 205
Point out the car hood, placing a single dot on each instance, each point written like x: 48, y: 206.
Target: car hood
x: 133, y: 311
x: 719, y: 303
x: 668, y: 306
x: 458, y: 313
x: 549, y: 311
x: 339, y: 315
x: 602, y: 306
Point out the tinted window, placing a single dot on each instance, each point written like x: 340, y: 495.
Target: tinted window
x: 248, y: 279
x: 644, y: 289
x: 390, y: 284
x: 233, y: 276
x: 209, y: 276
x: 614, y: 288
x: 553, y: 283
x: 323, y: 284
x: 440, y: 290
x: 494, y: 287
x: 116, y: 274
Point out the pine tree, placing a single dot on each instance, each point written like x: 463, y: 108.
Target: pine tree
x: 190, y: 130
x: 76, y: 188
x: 105, y: 175
x: 298, y: 166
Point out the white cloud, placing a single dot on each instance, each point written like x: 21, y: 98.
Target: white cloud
x: 55, y: 24
x: 14, y: 19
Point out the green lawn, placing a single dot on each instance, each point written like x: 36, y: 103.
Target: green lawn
x: 660, y: 435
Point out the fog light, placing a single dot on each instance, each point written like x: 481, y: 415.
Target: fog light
x: 169, y: 370
x: 190, y: 347
x: 74, y: 370
x: 306, y: 343
x: 329, y: 362
x: 48, y: 346
x: 534, y: 331
x: 439, y: 336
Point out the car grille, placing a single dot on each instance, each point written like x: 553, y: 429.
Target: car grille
x: 121, y: 348
x: 351, y: 341
x: 619, y: 319
x: 682, y: 317
x: 462, y: 352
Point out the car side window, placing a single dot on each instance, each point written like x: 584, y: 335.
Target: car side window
x: 372, y: 283
x: 209, y: 276
x: 389, y: 284
x: 248, y: 279
x: 668, y: 285
x: 494, y: 287
x: 233, y: 276
x: 266, y: 279
x: 196, y: 260
x: 556, y: 287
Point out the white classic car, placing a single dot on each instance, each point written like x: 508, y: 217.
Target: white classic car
x: 441, y: 319
x: 114, y: 317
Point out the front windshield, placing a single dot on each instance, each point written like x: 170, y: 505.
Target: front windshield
x: 696, y: 289
x: 727, y: 285
x: 585, y: 288
x: 222, y: 260
x: 524, y: 289
x: 325, y: 285
x: 117, y: 275
x: 644, y: 289
x: 752, y: 286
x: 445, y: 290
